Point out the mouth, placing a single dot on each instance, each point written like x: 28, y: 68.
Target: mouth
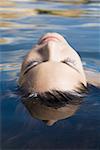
x: 48, y: 38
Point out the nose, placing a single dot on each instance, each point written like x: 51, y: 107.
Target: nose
x: 52, y: 51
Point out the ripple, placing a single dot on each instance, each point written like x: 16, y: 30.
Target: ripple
x: 95, y: 4
x: 92, y: 64
x: 6, y: 40
x: 9, y: 67
x: 7, y: 3
x: 87, y: 25
x: 12, y: 25
x: 15, y: 9
x: 23, y: 0
x: 15, y: 13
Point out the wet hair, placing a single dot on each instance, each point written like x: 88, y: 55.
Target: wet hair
x: 55, y: 99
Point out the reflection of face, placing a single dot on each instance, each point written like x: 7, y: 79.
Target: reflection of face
x: 52, y: 65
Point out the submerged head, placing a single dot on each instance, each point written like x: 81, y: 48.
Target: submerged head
x: 52, y: 78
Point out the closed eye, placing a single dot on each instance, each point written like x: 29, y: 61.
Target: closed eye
x: 70, y: 63
x: 31, y: 65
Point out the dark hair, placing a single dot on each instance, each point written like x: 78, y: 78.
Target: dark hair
x: 54, y: 98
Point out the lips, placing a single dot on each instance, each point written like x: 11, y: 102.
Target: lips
x: 48, y: 38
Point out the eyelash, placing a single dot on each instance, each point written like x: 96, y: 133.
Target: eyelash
x: 68, y: 60
x: 71, y: 63
x: 35, y: 63
x: 31, y: 65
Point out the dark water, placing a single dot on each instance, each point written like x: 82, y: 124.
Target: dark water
x: 18, y: 34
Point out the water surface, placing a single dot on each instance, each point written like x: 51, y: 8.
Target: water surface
x: 21, y: 27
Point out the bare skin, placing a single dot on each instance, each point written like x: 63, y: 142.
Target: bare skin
x: 51, y: 73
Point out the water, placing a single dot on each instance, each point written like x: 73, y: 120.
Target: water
x: 20, y: 30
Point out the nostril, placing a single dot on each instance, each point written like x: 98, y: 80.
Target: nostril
x: 48, y: 38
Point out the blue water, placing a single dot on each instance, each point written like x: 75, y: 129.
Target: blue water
x: 18, y: 129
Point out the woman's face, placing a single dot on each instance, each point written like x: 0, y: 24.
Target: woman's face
x: 52, y: 65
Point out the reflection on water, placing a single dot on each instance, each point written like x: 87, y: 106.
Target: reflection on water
x: 47, y: 114
x: 7, y: 3
x: 22, y: 23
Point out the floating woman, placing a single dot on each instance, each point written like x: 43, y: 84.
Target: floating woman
x: 52, y: 79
